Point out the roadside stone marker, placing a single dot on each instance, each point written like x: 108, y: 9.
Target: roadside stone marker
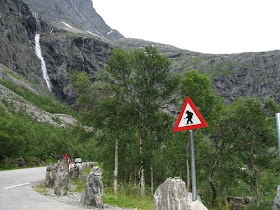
x: 93, y: 191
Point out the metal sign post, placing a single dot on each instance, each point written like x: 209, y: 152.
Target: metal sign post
x: 277, y: 116
x: 189, y: 119
x: 194, y: 197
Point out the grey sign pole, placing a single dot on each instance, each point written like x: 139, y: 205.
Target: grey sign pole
x: 277, y: 116
x: 194, y: 197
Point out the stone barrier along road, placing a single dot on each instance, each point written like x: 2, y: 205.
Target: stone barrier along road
x: 16, y: 191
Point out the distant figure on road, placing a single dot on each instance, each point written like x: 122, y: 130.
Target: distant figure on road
x: 189, y: 116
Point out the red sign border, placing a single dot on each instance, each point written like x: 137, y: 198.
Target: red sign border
x: 203, y: 123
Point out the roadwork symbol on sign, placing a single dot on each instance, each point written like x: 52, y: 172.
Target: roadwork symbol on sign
x: 189, y: 118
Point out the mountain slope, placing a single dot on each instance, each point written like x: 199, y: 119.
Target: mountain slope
x: 233, y: 75
x: 74, y: 15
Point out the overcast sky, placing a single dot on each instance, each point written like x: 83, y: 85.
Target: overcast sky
x: 208, y: 26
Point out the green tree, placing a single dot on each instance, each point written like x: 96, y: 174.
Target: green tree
x: 199, y: 88
x: 253, y: 138
x: 143, y: 77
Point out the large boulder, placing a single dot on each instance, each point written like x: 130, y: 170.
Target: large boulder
x: 276, y: 204
x: 57, y: 177
x: 93, y: 191
x: 173, y: 195
x: 62, y: 178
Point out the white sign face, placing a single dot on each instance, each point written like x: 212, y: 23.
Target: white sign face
x: 189, y: 117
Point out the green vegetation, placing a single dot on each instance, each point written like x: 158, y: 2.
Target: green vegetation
x: 10, y: 72
x: 128, y: 200
x: 127, y: 196
x: 47, y: 103
x: 79, y: 185
x: 22, y: 137
x: 37, y: 143
x: 41, y: 188
x: 236, y: 156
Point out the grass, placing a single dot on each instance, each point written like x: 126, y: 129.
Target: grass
x: 125, y: 200
x: 79, y: 185
x: 42, y: 189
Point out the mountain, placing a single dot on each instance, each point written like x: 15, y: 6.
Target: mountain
x: 61, y: 50
x: 73, y: 37
x: 77, y: 16
x: 253, y: 74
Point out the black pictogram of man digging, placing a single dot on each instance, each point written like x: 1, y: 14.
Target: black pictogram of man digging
x: 189, y: 117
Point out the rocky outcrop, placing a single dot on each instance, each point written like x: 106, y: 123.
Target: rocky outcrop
x: 93, y: 191
x: 235, y: 75
x: 17, y: 29
x: 65, y: 53
x: 77, y: 16
x: 62, y: 51
x: 19, y: 103
x: 173, y: 195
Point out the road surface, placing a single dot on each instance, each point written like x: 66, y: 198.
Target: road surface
x: 16, y: 191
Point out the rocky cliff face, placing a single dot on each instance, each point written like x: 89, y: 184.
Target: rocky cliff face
x: 235, y: 75
x: 63, y: 51
x: 17, y: 30
x: 246, y: 74
x: 74, y: 15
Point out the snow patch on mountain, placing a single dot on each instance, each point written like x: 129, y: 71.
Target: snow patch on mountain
x: 94, y: 34
x: 109, y: 32
x: 67, y: 24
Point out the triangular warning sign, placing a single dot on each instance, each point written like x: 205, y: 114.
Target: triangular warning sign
x: 189, y: 118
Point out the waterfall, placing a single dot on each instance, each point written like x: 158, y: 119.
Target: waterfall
x: 43, y: 64
x: 39, y: 52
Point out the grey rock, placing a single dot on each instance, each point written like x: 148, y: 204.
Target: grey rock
x: 37, y: 114
x: 75, y: 172
x: 64, y: 52
x: 62, y: 178
x: 79, y: 14
x: 57, y: 177
x: 50, y: 176
x: 173, y: 195
x: 93, y: 192
x: 276, y: 204
x: 21, y: 162
x: 96, y: 171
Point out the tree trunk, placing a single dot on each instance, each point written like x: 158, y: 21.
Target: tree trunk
x: 142, y: 169
x: 254, y: 166
x: 257, y: 186
x: 212, y: 184
x: 152, y: 181
x: 135, y: 178
x: 188, y: 167
x: 116, y: 171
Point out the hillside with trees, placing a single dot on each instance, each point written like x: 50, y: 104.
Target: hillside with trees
x: 236, y: 155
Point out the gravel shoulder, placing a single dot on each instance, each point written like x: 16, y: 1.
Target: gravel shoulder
x: 73, y: 198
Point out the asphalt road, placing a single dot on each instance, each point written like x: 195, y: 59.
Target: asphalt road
x: 16, y: 191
